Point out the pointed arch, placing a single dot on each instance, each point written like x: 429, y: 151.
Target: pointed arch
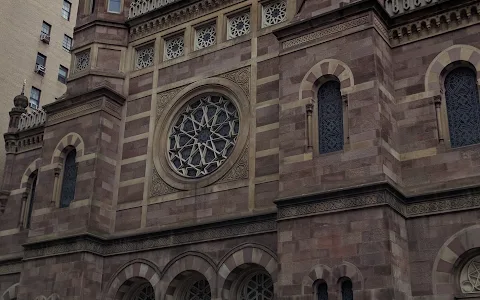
x: 455, y: 53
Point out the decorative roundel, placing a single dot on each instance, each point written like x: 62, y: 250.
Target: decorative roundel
x: 203, y: 135
x: 257, y: 286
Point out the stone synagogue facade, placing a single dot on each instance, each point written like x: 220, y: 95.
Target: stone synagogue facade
x: 252, y: 150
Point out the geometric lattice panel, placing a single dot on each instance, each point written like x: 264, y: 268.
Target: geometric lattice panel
x: 330, y: 117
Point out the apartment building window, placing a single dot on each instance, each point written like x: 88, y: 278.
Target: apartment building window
x: 46, y: 28
x: 62, y: 74
x: 114, y: 6
x: 40, y: 64
x: 35, y: 97
x: 67, y: 42
x: 66, y: 8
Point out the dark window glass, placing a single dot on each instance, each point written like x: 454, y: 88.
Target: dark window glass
x: 114, y: 6
x: 322, y: 291
x: 35, y: 97
x: 41, y: 59
x: 347, y: 290
x: 92, y: 6
x: 32, y: 199
x: 463, y: 107
x: 46, y: 28
x: 67, y: 6
x: 67, y: 42
x: 330, y: 117
x: 69, y: 179
x: 62, y: 74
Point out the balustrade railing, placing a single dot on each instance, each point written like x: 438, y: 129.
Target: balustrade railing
x: 397, y: 7
x: 32, y: 119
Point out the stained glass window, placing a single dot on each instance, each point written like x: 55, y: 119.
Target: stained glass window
x: 347, y: 290
x: 32, y: 199
x: 463, y: 107
x: 322, y: 291
x: 69, y: 179
x: 330, y: 117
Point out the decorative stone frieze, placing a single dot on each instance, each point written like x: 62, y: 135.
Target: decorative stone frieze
x: 141, y: 7
x: 398, y: 7
x: 32, y: 119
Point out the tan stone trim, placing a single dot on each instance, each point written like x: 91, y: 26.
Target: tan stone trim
x: 297, y: 158
x: 9, y: 232
x: 129, y: 205
x: 131, y: 182
x: 138, y: 116
x: 267, y: 178
x: 71, y: 139
x: 268, y: 127
x: 32, y: 167
x: 267, y: 152
x: 268, y: 79
x: 136, y: 137
x: 317, y: 272
x: 133, y: 159
x: 267, y: 103
x: 11, y: 293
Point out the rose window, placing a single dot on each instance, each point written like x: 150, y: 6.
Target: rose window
x: 203, y: 136
x: 257, y: 287
x: 174, y: 47
x: 200, y: 290
x: 205, y: 37
x: 274, y: 13
x: 470, y: 276
x: 238, y: 25
x: 145, y: 292
x: 82, y: 60
x: 144, y: 57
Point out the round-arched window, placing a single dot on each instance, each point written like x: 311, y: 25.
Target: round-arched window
x: 200, y: 290
x: 144, y: 292
x: 257, y: 286
x: 203, y: 135
x: 470, y: 276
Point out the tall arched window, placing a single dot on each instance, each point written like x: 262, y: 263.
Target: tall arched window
x: 330, y: 117
x: 347, y: 289
x: 69, y: 179
x: 31, y: 199
x: 463, y: 107
x: 322, y: 291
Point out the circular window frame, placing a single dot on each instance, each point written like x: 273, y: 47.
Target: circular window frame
x: 219, y: 86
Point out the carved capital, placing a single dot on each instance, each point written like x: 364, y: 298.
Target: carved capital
x: 345, y: 100
x: 437, y: 100
x: 57, y: 170
x: 309, y: 107
x: 3, y: 200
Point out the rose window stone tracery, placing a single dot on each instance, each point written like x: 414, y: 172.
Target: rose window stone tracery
x: 174, y: 47
x: 145, y: 292
x: 258, y: 286
x: 238, y: 25
x: 200, y: 290
x: 203, y: 136
x: 470, y: 276
x: 82, y: 61
x: 144, y: 57
x: 205, y: 37
x: 274, y: 13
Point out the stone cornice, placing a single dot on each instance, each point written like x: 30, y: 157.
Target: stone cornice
x: 381, y: 194
x: 169, y: 238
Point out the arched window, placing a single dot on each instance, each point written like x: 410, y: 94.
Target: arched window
x: 347, y: 289
x: 31, y: 199
x: 463, y: 107
x: 257, y: 286
x: 144, y: 292
x: 330, y: 117
x: 322, y: 291
x: 69, y: 179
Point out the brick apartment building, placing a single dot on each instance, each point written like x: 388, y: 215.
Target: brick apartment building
x: 252, y: 150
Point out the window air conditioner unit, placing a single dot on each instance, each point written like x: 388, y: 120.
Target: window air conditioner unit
x: 39, y: 69
x: 45, y: 38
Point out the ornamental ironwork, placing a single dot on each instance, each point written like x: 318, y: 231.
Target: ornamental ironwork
x: 69, y: 179
x: 174, y: 47
x: 203, y: 136
x: 274, y: 13
x: 258, y: 286
x: 463, y: 107
x: 144, y: 292
x: 238, y: 25
x: 330, y: 117
x: 200, y: 290
x: 144, y: 57
x: 470, y: 276
x: 205, y: 37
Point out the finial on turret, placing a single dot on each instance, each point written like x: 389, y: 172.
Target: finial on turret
x: 23, y: 87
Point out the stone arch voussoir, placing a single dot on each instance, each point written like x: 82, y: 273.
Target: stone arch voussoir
x: 349, y: 270
x: 189, y: 261
x: 333, y: 67
x: 444, y: 266
x: 318, y: 272
x: 245, y: 254
x: 450, y: 55
x: 35, y: 165
x: 72, y: 139
x: 10, y: 293
x: 135, y: 269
